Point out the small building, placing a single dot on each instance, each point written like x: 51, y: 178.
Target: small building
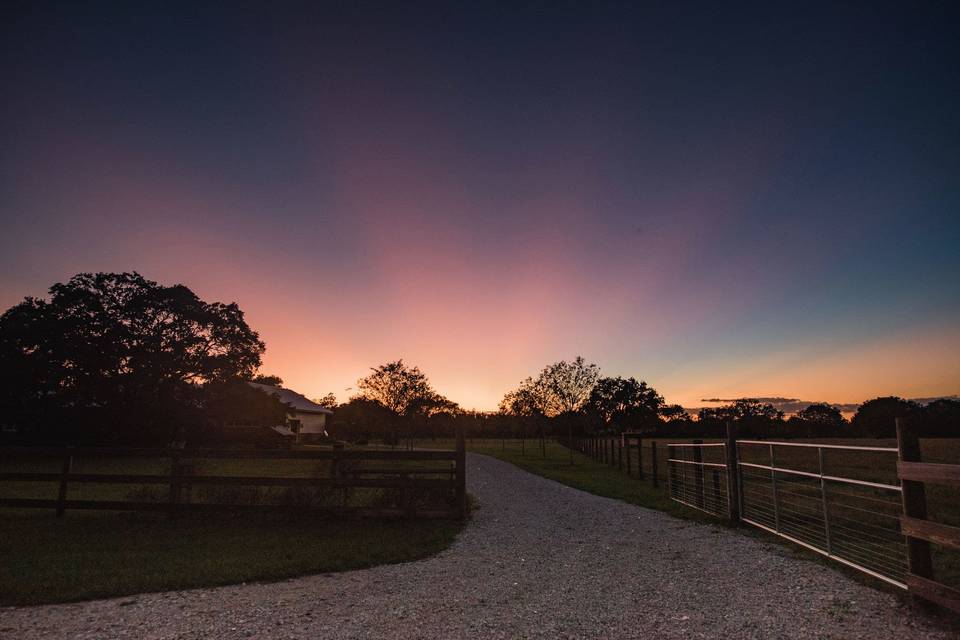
x: 306, y: 420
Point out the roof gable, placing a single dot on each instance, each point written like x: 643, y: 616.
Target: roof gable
x: 297, y: 402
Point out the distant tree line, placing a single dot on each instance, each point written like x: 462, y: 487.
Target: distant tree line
x: 116, y: 358
x: 575, y: 398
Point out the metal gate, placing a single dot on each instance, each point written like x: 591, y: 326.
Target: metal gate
x: 805, y: 493
x: 697, y: 476
x: 841, y: 501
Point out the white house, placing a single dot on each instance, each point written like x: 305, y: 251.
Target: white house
x: 306, y: 420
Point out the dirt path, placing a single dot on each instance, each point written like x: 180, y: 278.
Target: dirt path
x: 538, y: 560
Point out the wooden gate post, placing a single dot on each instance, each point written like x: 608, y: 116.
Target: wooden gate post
x: 461, y: 472
x: 914, y: 498
x: 733, y: 473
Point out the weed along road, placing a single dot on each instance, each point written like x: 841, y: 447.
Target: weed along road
x: 538, y: 560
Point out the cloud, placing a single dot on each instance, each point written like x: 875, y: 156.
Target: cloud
x: 793, y: 405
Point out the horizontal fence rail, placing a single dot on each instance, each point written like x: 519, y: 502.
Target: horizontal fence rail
x: 174, y: 473
x: 851, y: 520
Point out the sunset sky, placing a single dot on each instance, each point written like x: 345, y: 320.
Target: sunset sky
x: 721, y: 202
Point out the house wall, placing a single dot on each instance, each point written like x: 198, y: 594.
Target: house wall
x: 311, y: 422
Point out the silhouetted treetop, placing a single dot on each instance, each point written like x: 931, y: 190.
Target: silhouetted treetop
x: 121, y: 349
x: 624, y: 402
x: 562, y: 387
x: 403, y: 390
x: 329, y: 401
x: 877, y: 417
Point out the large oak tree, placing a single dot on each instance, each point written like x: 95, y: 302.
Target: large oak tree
x: 114, y: 357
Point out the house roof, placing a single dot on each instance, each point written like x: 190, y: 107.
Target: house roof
x: 296, y: 401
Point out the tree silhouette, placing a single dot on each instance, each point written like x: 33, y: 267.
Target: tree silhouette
x: 403, y: 390
x: 822, y: 414
x: 568, y: 385
x: 674, y: 413
x: 528, y: 400
x: 942, y: 418
x: 269, y: 380
x: 562, y: 387
x: 877, y: 417
x: 117, y: 356
x: 624, y: 403
x: 329, y: 401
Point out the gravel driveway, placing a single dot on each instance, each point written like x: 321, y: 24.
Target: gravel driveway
x: 538, y: 560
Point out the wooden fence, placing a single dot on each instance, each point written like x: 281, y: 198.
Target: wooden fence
x: 919, y: 531
x: 404, y: 473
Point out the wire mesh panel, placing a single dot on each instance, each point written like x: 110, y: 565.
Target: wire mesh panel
x: 808, y: 494
x: 697, y: 477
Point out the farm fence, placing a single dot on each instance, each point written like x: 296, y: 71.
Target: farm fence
x: 862, y: 506
x: 185, y: 480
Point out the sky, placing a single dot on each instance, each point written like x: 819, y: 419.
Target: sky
x: 723, y: 200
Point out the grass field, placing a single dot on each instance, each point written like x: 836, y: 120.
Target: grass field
x: 92, y: 554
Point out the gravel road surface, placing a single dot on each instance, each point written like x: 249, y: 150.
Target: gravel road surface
x: 538, y: 560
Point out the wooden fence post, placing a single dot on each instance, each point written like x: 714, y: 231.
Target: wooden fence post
x: 914, y: 498
x: 653, y: 463
x: 174, y: 496
x: 698, y: 473
x: 640, y: 457
x: 629, y: 462
x: 620, y: 454
x: 733, y: 473
x: 461, y: 473
x: 64, y: 475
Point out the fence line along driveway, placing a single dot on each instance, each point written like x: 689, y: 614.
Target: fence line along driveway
x: 538, y: 560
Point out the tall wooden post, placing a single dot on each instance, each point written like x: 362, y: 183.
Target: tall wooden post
x: 570, y: 441
x: 174, y: 497
x: 653, y: 463
x: 620, y: 454
x: 733, y: 473
x: 629, y: 461
x: 640, y: 457
x: 461, y: 472
x: 914, y: 498
x: 64, y: 475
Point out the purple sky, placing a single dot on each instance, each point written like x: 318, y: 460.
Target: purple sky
x: 723, y: 202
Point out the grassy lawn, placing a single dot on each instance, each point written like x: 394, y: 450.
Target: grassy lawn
x: 87, y: 555
x: 93, y: 554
